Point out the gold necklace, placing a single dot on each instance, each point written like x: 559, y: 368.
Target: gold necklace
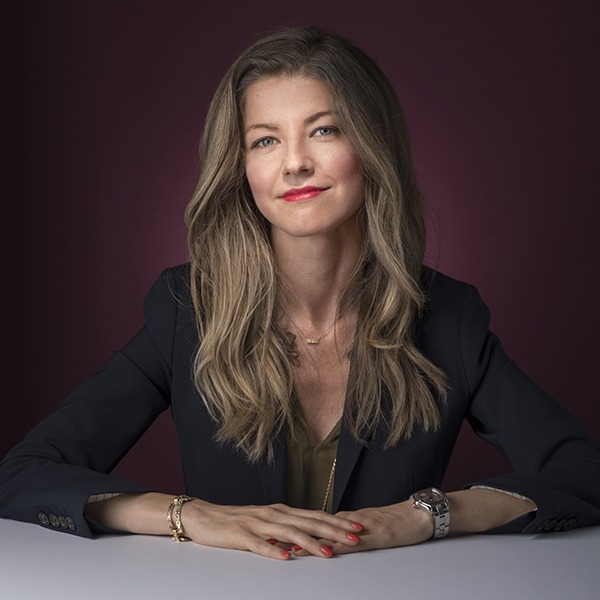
x: 329, y: 484
x: 318, y: 339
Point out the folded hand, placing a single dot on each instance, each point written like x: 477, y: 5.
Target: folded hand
x: 270, y: 531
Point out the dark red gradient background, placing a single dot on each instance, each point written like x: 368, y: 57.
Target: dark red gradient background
x: 103, y: 109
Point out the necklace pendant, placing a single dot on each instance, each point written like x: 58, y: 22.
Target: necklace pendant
x: 312, y: 341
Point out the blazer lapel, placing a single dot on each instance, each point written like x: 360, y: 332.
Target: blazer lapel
x: 273, y: 477
x: 348, y: 451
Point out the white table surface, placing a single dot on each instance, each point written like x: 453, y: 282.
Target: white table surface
x: 36, y: 563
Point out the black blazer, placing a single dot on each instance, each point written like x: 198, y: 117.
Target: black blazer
x: 68, y: 457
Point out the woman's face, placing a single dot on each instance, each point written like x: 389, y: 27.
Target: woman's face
x: 303, y: 171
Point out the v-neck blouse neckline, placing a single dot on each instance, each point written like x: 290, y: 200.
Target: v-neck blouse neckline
x: 309, y: 467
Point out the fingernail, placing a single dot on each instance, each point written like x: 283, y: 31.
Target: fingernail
x: 296, y: 548
x: 357, y: 525
x: 353, y: 537
x: 330, y: 547
x: 327, y: 551
x: 286, y: 554
x: 272, y: 541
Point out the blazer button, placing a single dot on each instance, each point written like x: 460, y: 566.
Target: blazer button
x: 43, y: 517
x: 63, y: 522
x: 560, y: 525
x: 71, y: 524
x: 54, y: 521
x: 570, y: 524
x: 543, y: 526
x: 551, y: 524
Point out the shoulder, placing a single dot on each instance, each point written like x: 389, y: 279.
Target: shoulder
x: 455, y: 321
x: 449, y: 298
x: 168, y: 310
x: 438, y: 285
x: 172, y: 287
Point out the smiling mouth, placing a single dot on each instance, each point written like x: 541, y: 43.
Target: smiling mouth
x: 302, y: 194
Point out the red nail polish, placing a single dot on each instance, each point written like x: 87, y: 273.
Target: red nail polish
x: 286, y: 554
x: 330, y: 547
x: 272, y: 541
x: 357, y: 525
x: 353, y: 537
x: 327, y: 551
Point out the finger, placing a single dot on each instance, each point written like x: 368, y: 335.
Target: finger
x: 339, y: 549
x: 325, y: 525
x: 299, y: 551
x: 279, y: 544
x: 283, y: 514
x: 299, y: 527
x: 354, y: 518
x: 267, y: 549
x: 301, y: 543
x: 243, y: 537
x: 326, y: 549
x: 306, y: 533
x: 249, y: 528
x: 269, y: 539
x: 333, y: 520
x: 365, y: 544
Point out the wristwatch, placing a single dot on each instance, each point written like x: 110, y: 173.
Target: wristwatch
x: 435, y: 502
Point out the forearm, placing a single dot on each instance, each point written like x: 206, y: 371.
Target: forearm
x: 401, y: 524
x: 136, y: 513
x: 477, y: 510
x: 471, y: 511
x: 255, y: 528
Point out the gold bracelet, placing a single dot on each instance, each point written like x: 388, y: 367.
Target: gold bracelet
x: 177, y: 531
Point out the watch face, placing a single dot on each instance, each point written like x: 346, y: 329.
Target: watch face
x: 430, y: 495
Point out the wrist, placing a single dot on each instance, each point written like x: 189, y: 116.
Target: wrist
x: 434, y: 502
x: 425, y: 520
x: 174, y: 521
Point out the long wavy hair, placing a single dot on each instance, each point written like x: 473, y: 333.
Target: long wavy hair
x: 242, y: 367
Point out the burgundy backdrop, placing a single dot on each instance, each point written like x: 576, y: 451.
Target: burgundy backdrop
x: 103, y: 111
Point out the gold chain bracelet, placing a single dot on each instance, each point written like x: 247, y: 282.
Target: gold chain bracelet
x: 177, y: 530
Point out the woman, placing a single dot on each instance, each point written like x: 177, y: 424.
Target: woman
x: 317, y: 373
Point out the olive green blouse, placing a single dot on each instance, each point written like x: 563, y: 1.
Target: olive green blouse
x: 309, y: 468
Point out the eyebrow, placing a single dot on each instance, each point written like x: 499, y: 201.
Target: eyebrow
x: 307, y: 121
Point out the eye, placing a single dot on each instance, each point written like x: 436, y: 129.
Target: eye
x: 325, y: 131
x: 264, y: 142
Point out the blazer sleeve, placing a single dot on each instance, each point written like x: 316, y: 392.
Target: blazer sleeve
x: 66, y: 458
x: 556, y: 463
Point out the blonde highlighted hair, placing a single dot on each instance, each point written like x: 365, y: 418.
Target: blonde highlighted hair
x: 242, y: 368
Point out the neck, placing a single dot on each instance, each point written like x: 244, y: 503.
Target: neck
x: 316, y: 272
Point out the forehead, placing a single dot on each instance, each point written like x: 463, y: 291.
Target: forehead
x: 273, y: 99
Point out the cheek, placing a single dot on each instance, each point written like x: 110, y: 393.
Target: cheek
x: 343, y: 165
x: 346, y: 169
x: 258, y: 186
x: 261, y: 176
x: 253, y: 177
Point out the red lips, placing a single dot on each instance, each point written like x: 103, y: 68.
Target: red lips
x: 300, y: 194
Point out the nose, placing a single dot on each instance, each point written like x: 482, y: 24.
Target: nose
x: 297, y: 159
